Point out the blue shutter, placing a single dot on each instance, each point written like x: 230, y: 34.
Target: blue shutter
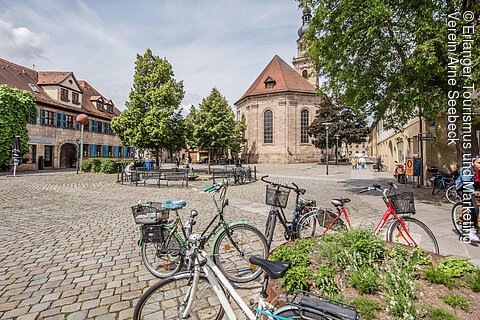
x: 125, y: 154
x: 77, y: 125
x: 106, y: 128
x: 42, y: 117
x: 133, y: 153
x: 64, y: 120
x: 93, y: 150
x: 115, y: 152
x: 105, y: 151
x: 33, y: 117
x: 58, y: 117
x: 95, y: 123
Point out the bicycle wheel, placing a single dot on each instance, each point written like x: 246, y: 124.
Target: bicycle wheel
x: 168, y: 298
x: 270, y: 227
x: 162, y: 255
x: 439, y: 185
x: 383, y: 168
x: 402, y: 178
x: 232, y: 249
x: 452, y: 195
x: 315, y: 223
x: 457, y: 217
x: 417, y: 230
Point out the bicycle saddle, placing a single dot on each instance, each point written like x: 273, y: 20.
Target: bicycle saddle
x: 301, y: 191
x: 339, y: 202
x: 273, y: 269
x: 172, y: 205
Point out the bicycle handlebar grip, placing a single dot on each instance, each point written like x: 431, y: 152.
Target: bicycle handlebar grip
x: 209, y: 188
x: 263, y: 178
x: 295, y: 186
x: 377, y: 186
x: 364, y: 190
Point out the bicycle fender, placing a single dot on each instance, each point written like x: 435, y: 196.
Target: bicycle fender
x: 234, y: 223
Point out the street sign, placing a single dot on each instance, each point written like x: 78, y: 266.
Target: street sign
x: 417, y: 166
x: 425, y: 138
x: 409, y: 167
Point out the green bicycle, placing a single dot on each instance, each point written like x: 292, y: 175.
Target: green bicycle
x: 163, y: 242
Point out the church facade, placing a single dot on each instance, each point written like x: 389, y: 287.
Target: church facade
x: 278, y: 108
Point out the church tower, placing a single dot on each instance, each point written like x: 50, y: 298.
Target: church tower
x: 300, y: 63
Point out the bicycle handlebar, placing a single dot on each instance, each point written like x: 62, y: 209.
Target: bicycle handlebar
x: 296, y: 189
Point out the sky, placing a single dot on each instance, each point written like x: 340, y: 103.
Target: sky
x: 223, y: 44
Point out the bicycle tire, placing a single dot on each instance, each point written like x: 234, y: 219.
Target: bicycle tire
x: 457, y: 217
x: 452, y: 195
x: 233, y: 263
x: 439, y: 185
x: 402, y: 179
x: 315, y: 223
x: 383, y: 168
x: 270, y: 227
x: 294, y: 312
x: 163, y: 259
x: 422, y: 235
x: 163, y: 299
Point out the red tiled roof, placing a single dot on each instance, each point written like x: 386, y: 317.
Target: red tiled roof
x: 285, y: 77
x: 52, y: 77
x: 17, y: 76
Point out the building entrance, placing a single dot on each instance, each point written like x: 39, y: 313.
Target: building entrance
x: 68, y: 156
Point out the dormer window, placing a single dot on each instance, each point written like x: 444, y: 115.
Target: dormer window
x: 99, y: 105
x: 269, y: 83
x: 75, y: 97
x: 64, y: 94
x: 109, y: 108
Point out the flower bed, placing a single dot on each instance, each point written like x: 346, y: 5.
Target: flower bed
x: 382, y: 280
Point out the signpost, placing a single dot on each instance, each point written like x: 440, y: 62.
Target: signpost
x: 16, y: 154
x: 409, y: 167
x: 422, y: 136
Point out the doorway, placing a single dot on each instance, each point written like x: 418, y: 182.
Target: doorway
x: 48, y: 157
x: 68, y: 156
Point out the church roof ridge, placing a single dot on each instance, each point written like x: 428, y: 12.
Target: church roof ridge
x: 285, y: 77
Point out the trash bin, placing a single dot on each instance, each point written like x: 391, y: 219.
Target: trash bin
x: 149, y: 164
x: 41, y: 163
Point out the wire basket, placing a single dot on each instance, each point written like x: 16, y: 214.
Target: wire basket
x: 150, y: 213
x: 403, y: 202
x: 277, y: 196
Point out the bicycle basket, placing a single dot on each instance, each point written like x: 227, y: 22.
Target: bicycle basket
x: 149, y: 213
x: 152, y: 233
x: 403, y: 202
x: 277, y: 196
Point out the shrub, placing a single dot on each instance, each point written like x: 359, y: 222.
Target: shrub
x: 297, y: 255
x: 108, y: 166
x: 96, y: 165
x: 366, y: 307
x: 474, y: 282
x: 455, y: 300
x: 456, y: 267
x: 325, y: 282
x: 364, y: 279
x: 437, y: 275
x: 86, y: 165
x: 439, y: 314
x: 99, y: 165
x: 296, y: 279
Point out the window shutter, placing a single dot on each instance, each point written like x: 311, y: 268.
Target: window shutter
x: 115, y: 152
x: 133, y: 153
x: 77, y: 125
x: 105, y: 151
x: 33, y: 117
x: 93, y: 150
x: 42, y: 117
x: 125, y: 154
x: 58, y: 117
x: 64, y: 120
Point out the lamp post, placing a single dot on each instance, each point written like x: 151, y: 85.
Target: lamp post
x: 82, y: 119
x: 336, y: 150
x: 326, y: 124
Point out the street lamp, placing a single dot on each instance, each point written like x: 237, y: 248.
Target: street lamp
x: 326, y: 124
x: 336, y: 150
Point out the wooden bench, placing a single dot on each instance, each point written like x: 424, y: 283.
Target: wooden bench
x: 180, y: 175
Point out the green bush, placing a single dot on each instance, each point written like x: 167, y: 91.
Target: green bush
x: 96, y: 165
x: 108, y: 166
x: 364, y: 279
x: 474, y: 281
x: 297, y: 255
x: 366, y: 308
x: 86, y: 165
x: 439, y: 314
x: 455, y: 267
x: 435, y: 274
x: 455, y: 300
x: 99, y: 165
x: 296, y: 279
x: 325, y: 282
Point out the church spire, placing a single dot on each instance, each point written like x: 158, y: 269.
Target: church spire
x: 300, y: 63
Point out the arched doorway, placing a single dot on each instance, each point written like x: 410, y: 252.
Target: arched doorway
x: 68, y: 156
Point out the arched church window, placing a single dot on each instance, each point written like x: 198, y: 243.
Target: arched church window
x: 305, y: 74
x: 304, y: 126
x: 268, y: 126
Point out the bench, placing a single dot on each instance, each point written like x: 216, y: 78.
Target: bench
x: 179, y: 175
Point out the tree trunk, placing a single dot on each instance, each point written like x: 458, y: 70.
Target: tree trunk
x: 209, y: 152
x: 157, y: 158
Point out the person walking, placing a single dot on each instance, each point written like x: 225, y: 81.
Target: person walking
x: 363, y: 162
x: 354, y: 162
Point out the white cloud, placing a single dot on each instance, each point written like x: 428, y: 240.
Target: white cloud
x: 20, y: 42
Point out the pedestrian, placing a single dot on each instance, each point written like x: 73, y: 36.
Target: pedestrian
x: 354, y: 162
x: 363, y: 162
x: 379, y: 163
x: 177, y: 161
x: 463, y: 185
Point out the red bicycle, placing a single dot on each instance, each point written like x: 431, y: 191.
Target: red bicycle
x: 404, y: 229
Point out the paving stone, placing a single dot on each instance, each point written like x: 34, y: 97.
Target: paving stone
x: 109, y: 300
x: 51, y: 296
x: 120, y: 306
x: 106, y: 293
x: 110, y: 316
x: 17, y: 312
x: 29, y: 316
x: 50, y: 312
x: 30, y: 301
x: 71, y: 307
x: 9, y: 305
x: 79, y: 315
x: 126, y: 314
x: 90, y: 304
x: 88, y: 296
x: 97, y: 311
x: 40, y: 307
x: 71, y: 292
x: 64, y: 301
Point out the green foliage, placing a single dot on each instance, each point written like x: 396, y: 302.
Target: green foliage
x: 296, y: 279
x: 366, y: 307
x: 388, y: 58
x: 296, y: 255
x: 474, y: 281
x: 455, y: 300
x: 350, y: 126
x: 399, y: 289
x: 439, y: 314
x: 455, y: 267
x: 152, y: 118
x: 364, y: 279
x: 15, y: 105
x: 325, y: 282
x: 99, y: 165
x: 435, y: 274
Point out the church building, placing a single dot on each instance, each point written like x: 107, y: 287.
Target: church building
x: 278, y: 108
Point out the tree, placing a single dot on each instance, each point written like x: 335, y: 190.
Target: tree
x: 190, y: 127
x: 153, y: 118
x: 15, y: 106
x: 215, y: 125
x: 390, y: 58
x: 350, y: 126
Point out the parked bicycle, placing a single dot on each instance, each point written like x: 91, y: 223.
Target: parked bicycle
x: 380, y: 167
x: 441, y: 180
x: 399, y: 173
x: 457, y: 217
x: 277, y: 197
x: 203, y: 292
x: 403, y: 229
x: 164, y: 242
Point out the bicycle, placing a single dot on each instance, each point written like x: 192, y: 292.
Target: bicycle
x: 458, y: 211
x: 452, y: 194
x: 399, y: 173
x: 163, y: 243
x: 442, y: 180
x: 379, y: 168
x: 403, y: 229
x: 277, y: 197
x: 203, y: 292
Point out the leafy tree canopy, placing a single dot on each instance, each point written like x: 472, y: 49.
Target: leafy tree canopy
x: 346, y: 123
x: 15, y: 105
x: 389, y: 58
x: 153, y: 117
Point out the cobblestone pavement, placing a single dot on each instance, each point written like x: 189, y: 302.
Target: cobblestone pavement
x: 68, y: 242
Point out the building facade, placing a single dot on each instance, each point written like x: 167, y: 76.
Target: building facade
x: 278, y: 108
x: 53, y: 131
